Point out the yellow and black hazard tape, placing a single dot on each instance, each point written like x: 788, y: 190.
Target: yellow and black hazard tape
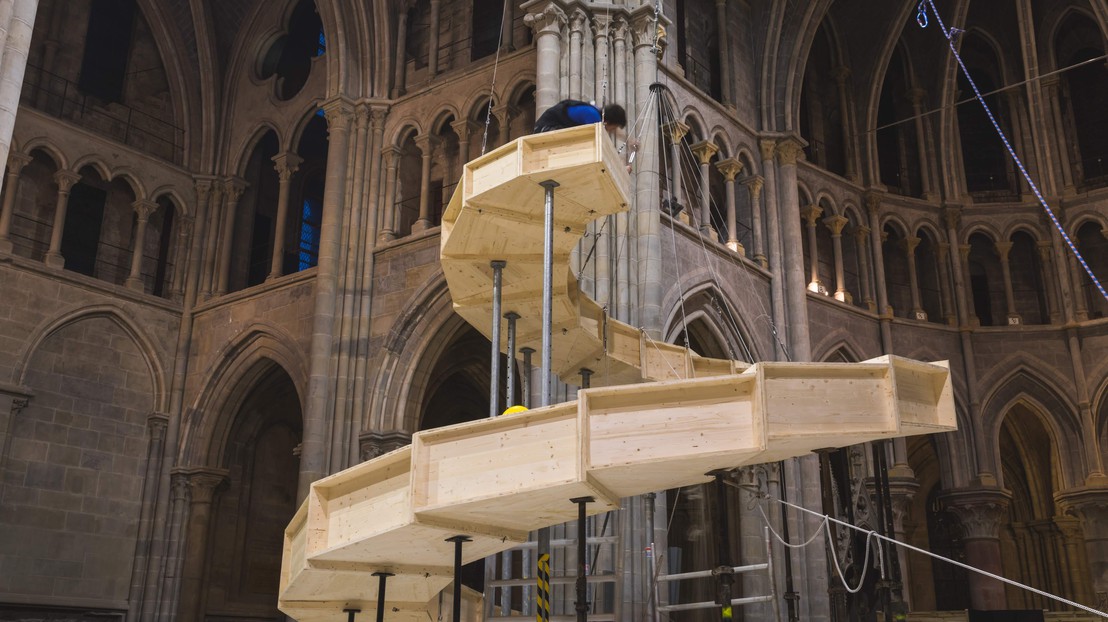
x: 543, y: 577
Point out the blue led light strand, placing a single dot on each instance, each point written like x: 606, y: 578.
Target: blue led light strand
x: 950, y: 35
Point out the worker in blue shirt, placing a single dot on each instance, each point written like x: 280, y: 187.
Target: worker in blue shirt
x: 571, y: 113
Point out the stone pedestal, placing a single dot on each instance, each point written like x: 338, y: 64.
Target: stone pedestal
x: 982, y: 512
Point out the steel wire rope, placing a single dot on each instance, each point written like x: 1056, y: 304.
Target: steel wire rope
x: 951, y: 35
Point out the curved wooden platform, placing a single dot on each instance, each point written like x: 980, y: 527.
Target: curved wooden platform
x: 495, y: 480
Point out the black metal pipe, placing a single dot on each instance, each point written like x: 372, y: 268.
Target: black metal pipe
x: 582, y: 603
x: 835, y: 591
x: 382, y: 576
x: 457, y: 603
x: 351, y: 613
x: 792, y: 598
x: 725, y: 575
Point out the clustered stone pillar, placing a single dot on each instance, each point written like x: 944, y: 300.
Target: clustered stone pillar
x: 981, y: 511
x: 16, y: 162
x: 1090, y: 505
x: 1050, y: 283
x: 576, y: 35
x: 731, y: 168
x: 399, y: 78
x: 14, y: 44
x: 433, y: 40
x: 144, y: 208
x: 286, y: 165
x: 202, y: 486
x: 724, y: 42
x: 65, y: 181
x: 704, y: 152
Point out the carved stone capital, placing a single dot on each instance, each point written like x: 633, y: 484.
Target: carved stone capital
x: 286, y: 164
x: 577, y: 22
x: 861, y: 233
x: 789, y: 150
x: 201, y: 482
x: 729, y: 168
x: 426, y: 143
x: 835, y: 223
x: 157, y: 423
x: 504, y: 113
x: 144, y: 208
x: 952, y: 216
x: 811, y: 214
x: 916, y: 96
x: 16, y: 161
x: 981, y: 510
x: 910, y: 243
x: 840, y: 74
x: 65, y: 180
x: 233, y: 187
x: 339, y: 113
x: 675, y: 131
x: 767, y: 147
x: 873, y: 202
x: 754, y: 184
x: 704, y: 150
x: 373, y: 444
x: 548, y: 21
x: 463, y: 128
x: 1090, y: 505
x: 1002, y: 249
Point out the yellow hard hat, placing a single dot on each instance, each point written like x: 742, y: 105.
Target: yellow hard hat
x: 511, y: 410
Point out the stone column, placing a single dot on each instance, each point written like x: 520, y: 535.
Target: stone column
x: 861, y: 241
x: 841, y: 76
x: 319, y: 403
x: 619, y: 49
x: 504, y: 115
x: 232, y: 190
x: 767, y: 148
x: 391, y: 156
x: 547, y: 27
x: 1073, y: 559
x: 399, y: 78
x: 675, y: 132
x: 916, y: 96
x: 1050, y: 284
x: 16, y: 162
x: 910, y: 244
x: 811, y: 215
x: 286, y: 164
x: 949, y: 314
x: 724, y: 42
x: 647, y: 182
x: 185, y: 225
x: 143, y: 209
x: 1051, y: 88
x: 1002, y: 250
x: 754, y: 185
x: 600, y: 24
x: 788, y: 151
x: 506, y: 42
x: 65, y: 180
x: 1077, y: 277
x: 1090, y: 506
x: 704, y: 150
x: 433, y: 39
x: 426, y: 144
x: 576, y: 36
x: 873, y: 208
x: 982, y: 512
x: 730, y: 168
x: 202, y: 486
x: 209, y: 250
x: 463, y: 129
x: 963, y: 267
x: 952, y: 216
x: 835, y: 224
x: 15, y: 47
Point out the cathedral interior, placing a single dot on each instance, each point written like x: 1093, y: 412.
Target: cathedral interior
x: 220, y: 282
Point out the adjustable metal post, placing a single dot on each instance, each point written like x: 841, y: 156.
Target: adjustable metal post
x: 835, y: 592
x: 457, y: 603
x: 525, y: 385
x: 586, y: 377
x: 791, y: 596
x: 494, y: 384
x: 383, y: 576
x: 889, y: 585
x: 724, y: 573
x: 652, y: 603
x: 547, y: 286
x: 511, y: 316
x: 582, y: 602
x: 351, y: 613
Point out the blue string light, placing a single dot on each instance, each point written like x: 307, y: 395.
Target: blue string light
x: 951, y: 34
